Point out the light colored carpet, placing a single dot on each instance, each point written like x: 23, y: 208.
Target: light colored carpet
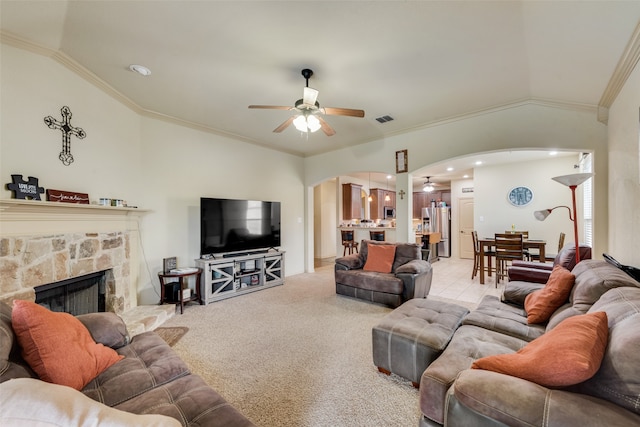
x: 296, y: 355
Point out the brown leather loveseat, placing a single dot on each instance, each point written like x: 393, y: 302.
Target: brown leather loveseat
x: 409, y: 277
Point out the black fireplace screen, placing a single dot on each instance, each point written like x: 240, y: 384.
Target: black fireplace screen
x: 78, y: 295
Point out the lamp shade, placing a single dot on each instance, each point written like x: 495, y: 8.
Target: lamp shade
x: 574, y: 179
x: 542, y: 215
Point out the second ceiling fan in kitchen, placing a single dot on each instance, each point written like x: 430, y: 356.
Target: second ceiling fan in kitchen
x: 308, y: 117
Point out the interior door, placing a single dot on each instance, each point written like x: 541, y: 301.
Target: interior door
x: 465, y: 222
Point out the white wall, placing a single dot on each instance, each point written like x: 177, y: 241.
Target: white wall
x: 153, y: 164
x: 181, y: 165
x: 106, y: 161
x: 494, y: 214
x: 624, y: 173
x: 325, y: 207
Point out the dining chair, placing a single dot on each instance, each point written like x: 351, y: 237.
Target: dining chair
x: 552, y: 257
x: 476, y: 257
x: 377, y: 235
x: 348, y: 242
x: 528, y: 255
x: 508, y: 248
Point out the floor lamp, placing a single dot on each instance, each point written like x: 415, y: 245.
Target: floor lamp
x: 572, y: 181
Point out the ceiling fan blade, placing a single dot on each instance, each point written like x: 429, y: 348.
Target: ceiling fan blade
x: 284, y: 125
x: 271, y: 107
x: 328, y: 130
x: 343, y: 112
x: 309, y: 96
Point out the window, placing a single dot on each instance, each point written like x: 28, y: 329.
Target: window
x: 587, y: 197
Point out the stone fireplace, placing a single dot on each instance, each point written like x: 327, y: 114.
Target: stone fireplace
x: 77, y: 295
x: 44, y: 242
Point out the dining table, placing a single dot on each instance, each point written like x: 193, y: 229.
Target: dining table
x: 489, y: 242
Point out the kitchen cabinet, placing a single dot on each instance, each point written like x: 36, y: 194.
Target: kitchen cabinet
x: 420, y: 200
x: 378, y: 203
x: 351, y: 201
x: 423, y: 199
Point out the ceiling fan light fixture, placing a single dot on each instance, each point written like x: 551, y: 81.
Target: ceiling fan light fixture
x: 306, y: 123
x: 300, y: 123
x: 428, y: 187
x: 313, y: 123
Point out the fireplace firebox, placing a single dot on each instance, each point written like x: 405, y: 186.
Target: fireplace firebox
x: 77, y: 295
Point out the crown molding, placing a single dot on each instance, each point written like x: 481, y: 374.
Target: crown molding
x: 625, y: 66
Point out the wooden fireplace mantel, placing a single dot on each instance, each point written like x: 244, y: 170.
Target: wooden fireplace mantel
x: 29, y: 217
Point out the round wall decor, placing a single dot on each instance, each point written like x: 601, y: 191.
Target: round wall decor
x: 520, y: 196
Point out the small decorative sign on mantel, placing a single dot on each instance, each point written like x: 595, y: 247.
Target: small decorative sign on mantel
x: 467, y: 189
x: 25, y: 189
x: 67, y: 197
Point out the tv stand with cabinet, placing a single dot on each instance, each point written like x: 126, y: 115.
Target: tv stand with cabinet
x: 232, y: 275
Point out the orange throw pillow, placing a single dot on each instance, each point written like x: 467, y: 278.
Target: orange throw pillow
x: 568, y: 354
x: 541, y: 304
x: 58, y: 347
x: 380, y: 258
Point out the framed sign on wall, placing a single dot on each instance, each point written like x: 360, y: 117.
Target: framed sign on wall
x: 402, y: 164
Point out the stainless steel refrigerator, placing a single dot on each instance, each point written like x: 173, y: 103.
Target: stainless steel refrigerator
x: 439, y: 220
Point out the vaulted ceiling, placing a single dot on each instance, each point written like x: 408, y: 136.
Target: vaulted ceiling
x: 419, y: 62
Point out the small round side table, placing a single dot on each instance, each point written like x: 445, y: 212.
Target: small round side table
x: 182, y: 281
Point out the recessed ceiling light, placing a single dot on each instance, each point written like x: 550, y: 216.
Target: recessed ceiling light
x: 479, y: 162
x: 553, y: 153
x: 465, y: 176
x: 389, y: 177
x: 449, y: 169
x: 140, y: 69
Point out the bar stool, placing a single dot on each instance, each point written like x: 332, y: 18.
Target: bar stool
x: 377, y: 235
x: 348, y: 242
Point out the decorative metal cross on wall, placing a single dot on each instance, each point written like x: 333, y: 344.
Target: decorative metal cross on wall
x: 67, y: 130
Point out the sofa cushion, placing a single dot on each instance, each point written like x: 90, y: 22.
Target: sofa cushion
x: 380, y: 258
x: 405, y: 252
x: 507, y: 319
x: 468, y: 344
x: 478, y: 396
x: 12, y: 365
x: 190, y: 400
x: 370, y: 280
x: 149, y: 362
x: 106, y: 328
x: 541, y: 304
x: 58, y: 347
x: 617, y: 380
x: 593, y: 279
x: 28, y: 401
x: 569, y: 354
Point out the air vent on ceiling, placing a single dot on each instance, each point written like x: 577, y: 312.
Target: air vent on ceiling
x: 384, y: 119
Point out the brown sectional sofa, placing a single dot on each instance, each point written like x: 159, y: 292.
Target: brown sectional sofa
x: 151, y: 379
x: 454, y: 395
x: 410, y: 276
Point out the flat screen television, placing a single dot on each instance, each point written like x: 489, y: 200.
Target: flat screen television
x: 230, y: 225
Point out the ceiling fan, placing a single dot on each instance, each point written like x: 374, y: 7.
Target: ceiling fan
x: 308, y: 111
x: 428, y: 185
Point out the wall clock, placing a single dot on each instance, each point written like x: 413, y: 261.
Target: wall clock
x: 520, y: 196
